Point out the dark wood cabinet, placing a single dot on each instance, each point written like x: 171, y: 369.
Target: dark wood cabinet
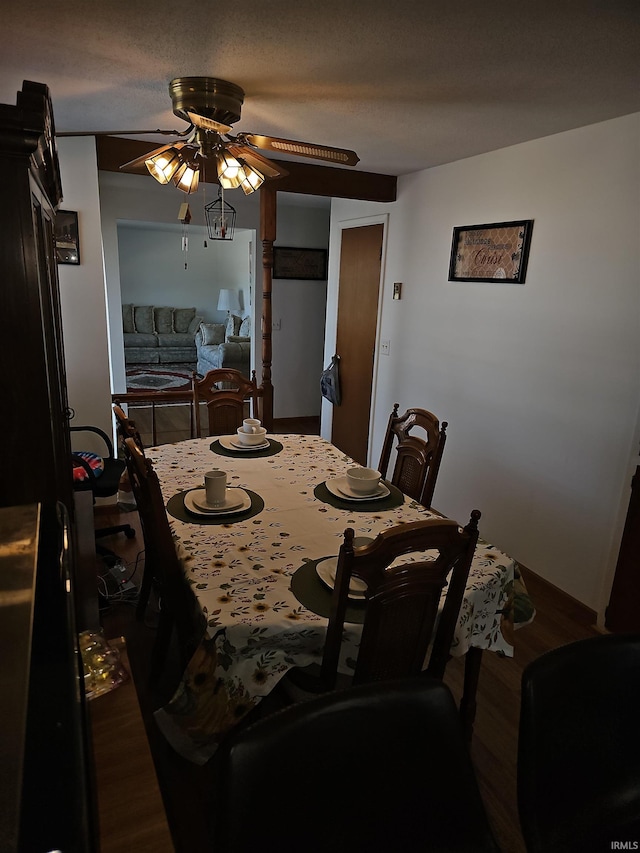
x: 33, y: 383
x: 48, y: 802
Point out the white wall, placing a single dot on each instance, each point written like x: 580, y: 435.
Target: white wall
x: 298, y: 307
x: 82, y: 294
x: 152, y: 267
x: 539, y: 382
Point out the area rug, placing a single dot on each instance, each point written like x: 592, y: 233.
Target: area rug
x: 159, y: 377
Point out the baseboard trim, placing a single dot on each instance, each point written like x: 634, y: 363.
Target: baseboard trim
x: 579, y: 611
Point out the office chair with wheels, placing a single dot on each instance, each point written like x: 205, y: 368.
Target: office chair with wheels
x: 100, y: 474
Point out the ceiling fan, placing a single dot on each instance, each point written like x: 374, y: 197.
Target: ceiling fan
x: 212, y: 106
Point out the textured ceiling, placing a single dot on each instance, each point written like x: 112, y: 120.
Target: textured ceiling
x: 407, y: 84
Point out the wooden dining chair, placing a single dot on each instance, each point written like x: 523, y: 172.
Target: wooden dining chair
x: 379, y: 767
x: 404, y: 633
x: 126, y: 427
x: 578, y: 747
x: 418, y: 454
x: 225, y: 393
x: 178, y: 606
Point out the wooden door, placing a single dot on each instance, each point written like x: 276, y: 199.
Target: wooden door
x: 359, y: 285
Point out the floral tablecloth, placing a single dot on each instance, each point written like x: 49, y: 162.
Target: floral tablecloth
x: 241, y: 572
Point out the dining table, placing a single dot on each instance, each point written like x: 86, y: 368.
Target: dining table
x: 260, y: 572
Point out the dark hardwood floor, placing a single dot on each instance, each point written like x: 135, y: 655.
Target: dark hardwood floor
x: 187, y: 789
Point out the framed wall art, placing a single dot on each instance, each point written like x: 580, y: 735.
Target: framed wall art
x: 497, y: 252
x: 67, y: 238
x: 305, y: 264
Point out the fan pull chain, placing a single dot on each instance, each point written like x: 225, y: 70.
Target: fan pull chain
x: 204, y: 199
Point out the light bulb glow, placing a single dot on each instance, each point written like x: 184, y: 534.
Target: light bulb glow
x: 164, y: 165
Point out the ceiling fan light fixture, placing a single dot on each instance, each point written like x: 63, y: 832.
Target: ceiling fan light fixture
x: 230, y: 172
x: 164, y: 165
x: 253, y: 180
x: 187, y: 177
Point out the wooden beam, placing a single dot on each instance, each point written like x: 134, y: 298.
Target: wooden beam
x: 304, y: 178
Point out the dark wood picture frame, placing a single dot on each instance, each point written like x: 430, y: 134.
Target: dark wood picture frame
x: 67, y: 237
x: 497, y: 252
x: 303, y: 264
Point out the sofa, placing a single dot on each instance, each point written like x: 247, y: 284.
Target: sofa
x: 159, y: 335
x: 224, y: 345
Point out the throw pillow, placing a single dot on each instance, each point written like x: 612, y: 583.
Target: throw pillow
x: 245, y: 328
x: 163, y: 320
x: 143, y: 318
x: 127, y: 318
x: 194, y: 325
x: 233, y: 324
x: 238, y: 339
x: 181, y: 319
x: 212, y: 333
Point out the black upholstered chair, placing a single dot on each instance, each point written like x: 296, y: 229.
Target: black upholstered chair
x: 579, y: 747
x: 103, y: 480
x: 379, y: 767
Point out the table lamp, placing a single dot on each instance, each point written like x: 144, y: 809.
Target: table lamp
x: 228, y: 301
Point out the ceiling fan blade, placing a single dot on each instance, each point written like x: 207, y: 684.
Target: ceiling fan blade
x: 140, y: 161
x: 266, y: 167
x: 208, y: 123
x: 301, y: 149
x: 124, y: 132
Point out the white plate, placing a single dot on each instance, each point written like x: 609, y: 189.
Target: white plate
x: 341, y: 489
x: 209, y: 513
x: 326, y: 570
x: 230, y: 443
x: 233, y: 499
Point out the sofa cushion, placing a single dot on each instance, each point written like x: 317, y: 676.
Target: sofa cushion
x: 127, y: 318
x: 233, y: 324
x: 182, y: 317
x: 212, y: 333
x: 194, y: 325
x: 140, y: 339
x: 163, y: 320
x: 143, y: 317
x: 176, y: 339
x: 245, y: 327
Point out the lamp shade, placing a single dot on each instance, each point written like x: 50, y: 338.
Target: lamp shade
x: 228, y: 300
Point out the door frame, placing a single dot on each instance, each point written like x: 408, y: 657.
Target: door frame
x: 331, y: 327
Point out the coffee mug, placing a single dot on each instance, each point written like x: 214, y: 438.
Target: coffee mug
x: 215, y: 484
x: 250, y: 424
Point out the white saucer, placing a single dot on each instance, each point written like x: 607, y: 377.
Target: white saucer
x: 236, y: 506
x: 326, y: 570
x: 228, y: 442
x: 233, y: 499
x: 341, y: 489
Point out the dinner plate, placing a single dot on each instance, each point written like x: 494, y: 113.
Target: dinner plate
x: 233, y: 499
x: 326, y: 570
x: 341, y: 489
x: 191, y: 506
x: 228, y: 442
